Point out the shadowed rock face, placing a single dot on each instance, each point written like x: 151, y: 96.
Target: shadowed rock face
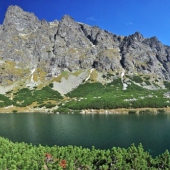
x: 66, y: 45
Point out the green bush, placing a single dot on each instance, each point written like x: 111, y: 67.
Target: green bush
x: 27, y: 156
x: 15, y: 111
x: 5, y: 101
x: 62, y: 110
x: 167, y: 84
x: 137, y: 79
x: 144, y: 111
x: 147, y: 77
x: 49, y: 105
x: 161, y: 111
x: 51, y: 85
x: 147, y: 82
x: 26, y: 96
x: 131, y: 112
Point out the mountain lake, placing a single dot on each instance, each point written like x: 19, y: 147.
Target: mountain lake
x: 103, y: 131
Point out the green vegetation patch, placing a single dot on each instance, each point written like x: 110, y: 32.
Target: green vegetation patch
x: 111, y: 96
x: 147, y: 82
x: 88, y: 89
x: 51, y: 85
x: 167, y: 84
x: 132, y: 112
x: 90, y: 96
x: 137, y: 79
x: 15, y: 156
x: 4, y: 101
x: 25, y: 97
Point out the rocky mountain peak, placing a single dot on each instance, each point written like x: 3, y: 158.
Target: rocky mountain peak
x: 154, y: 40
x: 137, y: 36
x: 13, y: 9
x: 71, y: 32
x: 155, y: 44
x: 49, y: 48
x: 20, y: 20
x: 67, y: 18
x: 68, y: 22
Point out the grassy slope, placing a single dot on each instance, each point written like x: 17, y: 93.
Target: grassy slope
x: 111, y: 96
x: 89, y: 96
x: 46, y: 97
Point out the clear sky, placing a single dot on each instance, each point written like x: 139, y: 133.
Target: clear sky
x: 121, y: 17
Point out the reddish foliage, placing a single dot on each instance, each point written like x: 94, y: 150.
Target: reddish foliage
x: 48, y: 156
x: 63, y: 163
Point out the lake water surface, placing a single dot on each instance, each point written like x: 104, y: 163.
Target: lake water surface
x: 101, y: 131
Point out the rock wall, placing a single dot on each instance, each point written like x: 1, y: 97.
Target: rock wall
x: 27, y: 43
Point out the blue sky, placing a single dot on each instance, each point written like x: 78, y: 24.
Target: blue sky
x: 122, y: 17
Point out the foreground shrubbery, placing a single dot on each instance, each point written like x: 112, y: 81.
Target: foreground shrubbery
x: 22, y: 156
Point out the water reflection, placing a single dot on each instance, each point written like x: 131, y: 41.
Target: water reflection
x: 101, y: 131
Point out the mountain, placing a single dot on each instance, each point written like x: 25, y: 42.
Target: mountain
x: 66, y: 54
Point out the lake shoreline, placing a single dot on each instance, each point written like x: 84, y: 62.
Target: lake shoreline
x: 127, y: 111
x: 87, y: 111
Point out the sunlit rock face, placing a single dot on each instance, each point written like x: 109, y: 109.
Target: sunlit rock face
x: 49, y: 48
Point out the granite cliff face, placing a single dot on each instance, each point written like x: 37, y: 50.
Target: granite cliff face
x: 33, y: 52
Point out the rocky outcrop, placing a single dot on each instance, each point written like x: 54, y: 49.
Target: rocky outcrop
x: 145, y: 56
x: 26, y: 43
